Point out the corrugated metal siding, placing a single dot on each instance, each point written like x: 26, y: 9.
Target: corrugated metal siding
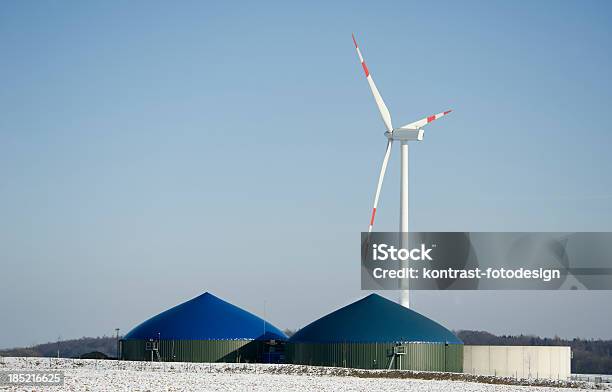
x: 418, y: 356
x: 454, y: 358
x: 195, y: 350
x: 354, y: 355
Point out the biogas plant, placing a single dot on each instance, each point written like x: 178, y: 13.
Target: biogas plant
x: 371, y: 333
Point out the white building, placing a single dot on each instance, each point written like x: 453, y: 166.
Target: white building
x: 547, y: 362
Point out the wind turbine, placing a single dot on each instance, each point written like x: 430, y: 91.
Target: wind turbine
x: 404, y: 134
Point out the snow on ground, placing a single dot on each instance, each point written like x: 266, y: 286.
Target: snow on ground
x: 94, y: 375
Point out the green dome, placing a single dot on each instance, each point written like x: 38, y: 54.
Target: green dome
x: 374, y: 319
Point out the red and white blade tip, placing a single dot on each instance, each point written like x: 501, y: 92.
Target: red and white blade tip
x: 366, y: 71
x: 382, y: 108
x: 425, y: 121
x: 437, y: 116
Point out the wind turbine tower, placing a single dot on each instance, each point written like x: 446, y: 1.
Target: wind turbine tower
x: 412, y: 132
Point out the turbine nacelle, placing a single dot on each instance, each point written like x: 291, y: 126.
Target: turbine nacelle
x: 413, y: 131
x: 409, y: 135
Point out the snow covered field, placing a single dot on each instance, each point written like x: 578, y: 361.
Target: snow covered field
x: 93, y: 375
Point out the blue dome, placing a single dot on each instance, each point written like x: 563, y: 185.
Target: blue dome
x: 206, y: 318
x: 374, y: 319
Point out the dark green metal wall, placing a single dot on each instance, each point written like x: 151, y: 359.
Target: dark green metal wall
x: 454, y: 358
x: 195, y: 350
x: 418, y: 356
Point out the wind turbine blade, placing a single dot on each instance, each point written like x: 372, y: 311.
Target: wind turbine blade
x: 384, y: 112
x: 381, y: 177
x: 425, y: 121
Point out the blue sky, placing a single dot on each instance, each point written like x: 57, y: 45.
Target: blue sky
x: 150, y: 151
